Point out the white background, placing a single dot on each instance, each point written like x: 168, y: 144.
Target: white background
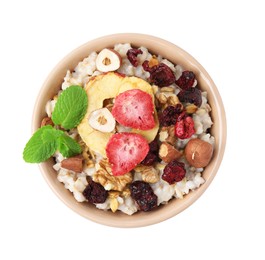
x: 227, y: 38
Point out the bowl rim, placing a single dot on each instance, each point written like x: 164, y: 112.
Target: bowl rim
x: 153, y: 219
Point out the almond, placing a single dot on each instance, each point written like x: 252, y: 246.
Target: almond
x: 46, y: 121
x: 167, y: 152
x: 74, y: 163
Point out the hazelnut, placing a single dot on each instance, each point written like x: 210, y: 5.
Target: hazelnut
x: 198, y: 153
x: 167, y: 152
x: 108, y: 60
x: 102, y: 120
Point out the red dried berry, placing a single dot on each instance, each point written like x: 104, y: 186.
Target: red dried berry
x: 153, y: 146
x: 132, y: 56
x: 150, y: 159
x: 95, y: 193
x: 169, y: 115
x: 174, y: 172
x: 191, y: 95
x: 186, y: 80
x: 144, y: 196
x: 184, y: 127
x: 152, y: 155
x: 160, y: 75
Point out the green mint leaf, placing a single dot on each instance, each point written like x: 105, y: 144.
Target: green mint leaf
x: 68, y: 147
x: 39, y: 149
x: 70, y: 107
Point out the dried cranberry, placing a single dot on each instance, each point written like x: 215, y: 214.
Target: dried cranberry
x: 169, y: 115
x: 174, y: 172
x: 95, y: 193
x: 146, y: 66
x: 153, y: 146
x: 144, y: 196
x: 184, y: 127
x: 191, y: 95
x: 152, y: 155
x: 186, y: 80
x: 132, y: 56
x: 160, y: 75
x: 150, y: 159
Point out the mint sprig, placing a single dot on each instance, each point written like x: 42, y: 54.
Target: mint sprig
x: 68, y: 147
x: 70, y: 107
x: 46, y: 141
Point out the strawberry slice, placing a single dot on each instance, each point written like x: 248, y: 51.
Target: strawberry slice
x: 125, y: 151
x: 134, y: 108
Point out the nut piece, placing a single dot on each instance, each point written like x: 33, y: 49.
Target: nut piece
x: 190, y: 109
x: 102, y: 120
x: 150, y: 174
x: 173, y: 100
x: 46, y: 121
x: 74, y: 163
x: 108, y: 60
x: 167, y: 89
x: 168, y: 134
x: 198, y: 153
x: 108, y: 181
x: 114, y: 204
x: 167, y: 152
x: 153, y: 62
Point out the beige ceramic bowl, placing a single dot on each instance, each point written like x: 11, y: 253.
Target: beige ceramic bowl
x: 177, y: 56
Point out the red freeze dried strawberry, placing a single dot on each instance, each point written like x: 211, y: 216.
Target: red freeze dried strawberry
x: 132, y: 56
x: 184, y: 127
x: 125, y: 151
x: 134, y: 108
x: 174, y: 172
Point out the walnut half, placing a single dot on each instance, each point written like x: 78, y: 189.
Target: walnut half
x: 108, y: 181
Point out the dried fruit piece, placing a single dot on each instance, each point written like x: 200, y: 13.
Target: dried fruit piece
x: 134, y: 108
x: 198, y: 153
x: 132, y: 56
x: 144, y: 196
x: 74, y: 163
x: 150, y: 159
x: 160, y: 75
x: 108, y: 60
x: 186, y: 80
x: 184, y: 127
x: 169, y: 115
x: 95, y: 193
x: 168, y: 152
x: 152, y: 155
x: 174, y: 172
x: 191, y: 95
x: 125, y: 151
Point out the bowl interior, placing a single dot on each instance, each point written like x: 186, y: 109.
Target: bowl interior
x: 176, y: 55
